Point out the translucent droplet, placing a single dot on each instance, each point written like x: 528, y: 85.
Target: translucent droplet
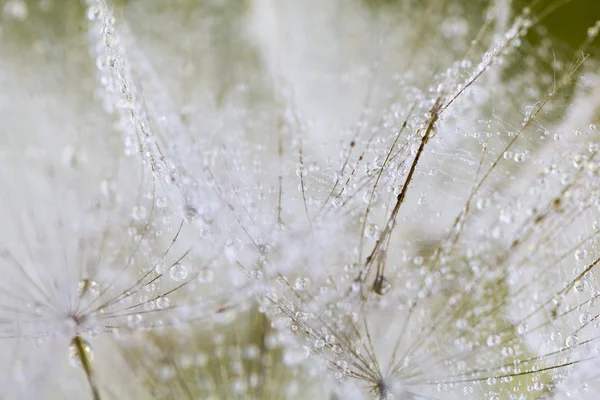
x: 74, y: 356
x: 578, y: 286
x: 483, y: 203
x: 585, y: 318
x: 337, y: 201
x: 88, y: 287
x: 150, y: 288
x: 580, y: 254
x: 160, y: 269
x: 343, y: 365
x: 92, y: 13
x: 162, y: 303
x: 190, y: 214
x: 493, y: 340
x: 519, y: 157
x: 134, y: 320
x: 372, y: 232
x: 149, y: 305
x: 178, y: 272
x: 104, y: 61
x: 301, y: 171
x: 161, y: 202
x: 302, y: 283
x: 572, y: 341
x: 381, y: 285
x: 256, y: 274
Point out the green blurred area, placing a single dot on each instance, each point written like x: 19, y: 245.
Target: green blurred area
x: 570, y: 22
x: 567, y: 22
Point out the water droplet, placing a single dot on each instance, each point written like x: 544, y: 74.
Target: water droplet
x: 178, y: 272
x: 74, y: 356
x: 161, y: 202
x: 163, y: 302
x: 190, y: 214
x: 493, y: 340
x: 134, y: 320
x: 381, y: 285
x: 572, y: 341
x: 92, y: 13
x: 372, y: 232
x: 483, y: 203
x: 301, y: 171
x: 301, y: 283
x: 337, y: 202
x: 256, y: 274
x: 88, y: 287
x: 585, y: 318
x: 519, y: 157
x: 580, y: 254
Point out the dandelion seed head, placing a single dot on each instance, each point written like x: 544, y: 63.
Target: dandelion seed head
x: 372, y: 206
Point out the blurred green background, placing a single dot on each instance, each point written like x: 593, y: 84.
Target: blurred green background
x: 570, y: 21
